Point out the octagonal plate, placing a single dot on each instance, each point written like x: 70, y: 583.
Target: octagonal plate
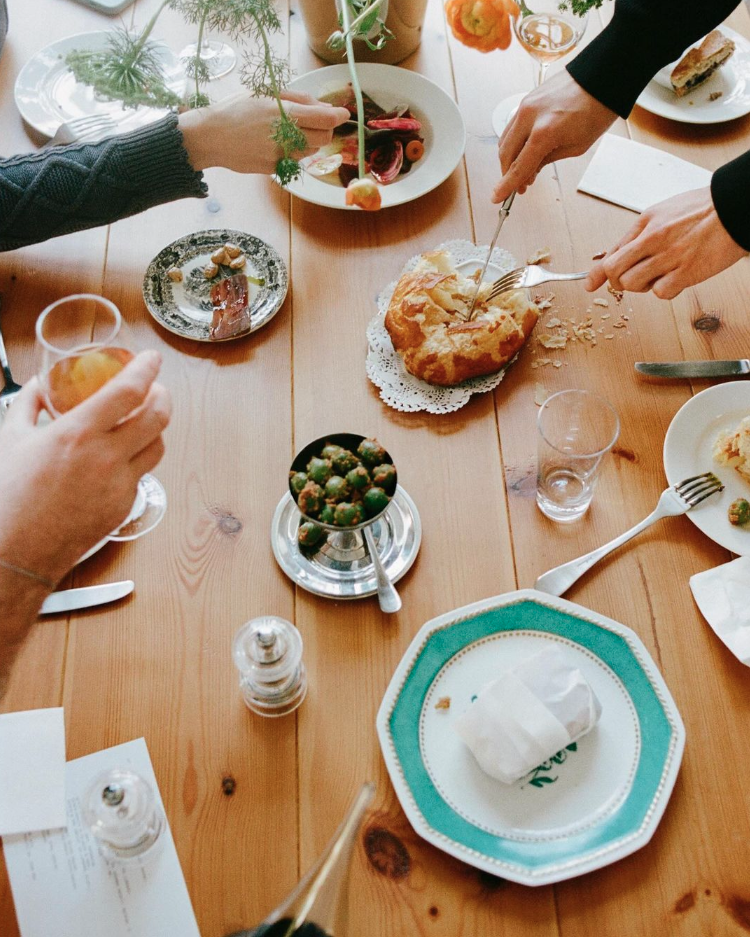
x: 592, y: 803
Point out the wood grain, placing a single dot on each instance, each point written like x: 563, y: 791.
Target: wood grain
x: 159, y: 664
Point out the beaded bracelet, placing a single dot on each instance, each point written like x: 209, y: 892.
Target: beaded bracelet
x: 28, y: 573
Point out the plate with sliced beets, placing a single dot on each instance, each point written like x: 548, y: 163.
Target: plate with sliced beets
x: 414, y: 136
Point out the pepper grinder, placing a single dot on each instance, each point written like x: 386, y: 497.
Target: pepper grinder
x: 122, y: 813
x: 267, y: 651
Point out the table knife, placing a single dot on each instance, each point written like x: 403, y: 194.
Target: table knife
x: 504, y: 212
x: 694, y: 368
x: 69, y: 600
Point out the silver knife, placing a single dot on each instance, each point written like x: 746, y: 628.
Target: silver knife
x: 504, y: 212
x: 694, y: 368
x: 70, y: 599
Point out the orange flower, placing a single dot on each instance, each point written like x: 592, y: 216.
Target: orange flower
x: 481, y: 24
x: 363, y: 192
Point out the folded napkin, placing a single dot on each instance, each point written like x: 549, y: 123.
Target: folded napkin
x: 528, y: 714
x: 636, y: 176
x: 723, y: 596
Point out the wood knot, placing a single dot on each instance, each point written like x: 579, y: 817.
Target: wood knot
x: 228, y: 523
x: 386, y: 853
x: 685, y: 903
x: 625, y: 453
x: 739, y: 909
x: 433, y: 912
x: 708, y: 322
x: 228, y: 785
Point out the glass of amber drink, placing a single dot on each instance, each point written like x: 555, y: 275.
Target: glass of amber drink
x: 82, y: 348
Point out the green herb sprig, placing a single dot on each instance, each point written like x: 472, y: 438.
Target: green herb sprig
x: 580, y: 7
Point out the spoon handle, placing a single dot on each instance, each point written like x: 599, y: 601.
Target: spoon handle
x: 389, y: 599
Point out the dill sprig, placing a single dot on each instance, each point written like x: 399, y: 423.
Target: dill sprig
x: 580, y: 7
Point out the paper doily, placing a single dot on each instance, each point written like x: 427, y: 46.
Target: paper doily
x: 386, y: 370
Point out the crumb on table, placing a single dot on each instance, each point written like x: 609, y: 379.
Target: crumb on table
x: 443, y: 703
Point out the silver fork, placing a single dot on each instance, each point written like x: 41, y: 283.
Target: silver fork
x: 11, y: 389
x: 526, y: 277
x: 677, y: 499
x: 83, y: 130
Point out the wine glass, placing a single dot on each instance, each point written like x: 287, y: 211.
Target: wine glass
x: 216, y: 56
x: 547, y: 33
x: 82, y: 349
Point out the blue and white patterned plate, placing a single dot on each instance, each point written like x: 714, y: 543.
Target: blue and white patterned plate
x: 185, y: 307
x: 592, y: 803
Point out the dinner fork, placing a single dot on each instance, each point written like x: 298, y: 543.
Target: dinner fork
x: 677, y: 499
x: 11, y: 388
x: 526, y: 277
x: 88, y: 129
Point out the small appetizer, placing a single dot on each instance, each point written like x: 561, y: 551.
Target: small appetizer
x: 230, y: 300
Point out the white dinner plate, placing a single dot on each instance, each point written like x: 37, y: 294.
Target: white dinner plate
x: 696, y: 107
x: 591, y: 803
x: 442, y: 128
x: 48, y: 95
x: 688, y: 451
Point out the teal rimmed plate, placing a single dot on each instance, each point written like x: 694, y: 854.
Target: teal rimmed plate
x: 592, y: 803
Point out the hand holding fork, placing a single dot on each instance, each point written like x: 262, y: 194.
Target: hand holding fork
x: 677, y: 499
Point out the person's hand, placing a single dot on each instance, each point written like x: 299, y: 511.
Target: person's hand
x: 556, y: 120
x: 66, y: 485
x: 673, y: 245
x: 236, y: 133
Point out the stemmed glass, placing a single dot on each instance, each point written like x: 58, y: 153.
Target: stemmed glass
x: 82, y: 349
x: 216, y: 56
x: 547, y: 33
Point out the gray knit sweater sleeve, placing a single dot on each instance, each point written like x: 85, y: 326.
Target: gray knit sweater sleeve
x: 68, y: 188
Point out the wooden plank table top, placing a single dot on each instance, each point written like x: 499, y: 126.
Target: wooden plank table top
x: 253, y: 801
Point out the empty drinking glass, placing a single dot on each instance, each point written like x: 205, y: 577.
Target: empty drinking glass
x: 575, y: 429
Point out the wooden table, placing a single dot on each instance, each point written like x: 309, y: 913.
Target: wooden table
x: 252, y: 801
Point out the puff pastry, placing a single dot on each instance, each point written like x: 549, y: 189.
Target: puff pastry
x: 426, y: 320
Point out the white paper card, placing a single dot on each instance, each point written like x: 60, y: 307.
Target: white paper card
x: 63, y: 886
x: 32, y: 771
x: 723, y: 596
x: 637, y: 176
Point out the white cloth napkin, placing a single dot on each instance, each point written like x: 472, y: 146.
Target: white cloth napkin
x: 636, y: 176
x: 32, y: 771
x: 528, y: 714
x: 723, y: 596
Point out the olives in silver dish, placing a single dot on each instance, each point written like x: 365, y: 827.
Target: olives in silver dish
x: 342, y: 481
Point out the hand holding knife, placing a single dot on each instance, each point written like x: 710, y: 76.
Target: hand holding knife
x: 504, y: 212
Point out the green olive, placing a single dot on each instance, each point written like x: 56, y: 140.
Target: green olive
x: 739, y: 512
x: 319, y: 470
x: 309, y: 534
x: 330, y: 450
x: 360, y: 509
x: 384, y: 476
x: 347, y: 515
x: 337, y: 488
x: 344, y: 461
x: 375, y: 500
x: 371, y: 452
x: 358, y: 478
x: 326, y: 516
x: 310, y: 500
x: 297, y: 481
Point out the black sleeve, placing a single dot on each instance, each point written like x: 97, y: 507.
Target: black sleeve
x: 730, y: 191
x: 68, y: 188
x: 643, y: 36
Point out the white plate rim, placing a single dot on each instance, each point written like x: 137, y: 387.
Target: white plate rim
x: 553, y: 872
x: 693, y: 418
x: 398, y: 193
x: 653, y: 99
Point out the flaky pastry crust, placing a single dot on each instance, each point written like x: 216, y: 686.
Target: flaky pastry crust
x: 426, y: 320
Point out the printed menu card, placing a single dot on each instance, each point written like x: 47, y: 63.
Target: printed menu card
x: 62, y: 885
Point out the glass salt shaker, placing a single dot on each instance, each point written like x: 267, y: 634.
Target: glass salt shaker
x: 122, y: 812
x: 267, y: 652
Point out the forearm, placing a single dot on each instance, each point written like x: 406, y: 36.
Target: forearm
x: 21, y: 599
x: 643, y: 36
x: 64, y: 189
x: 730, y: 191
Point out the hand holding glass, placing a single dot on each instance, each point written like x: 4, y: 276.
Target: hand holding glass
x: 575, y: 430
x: 82, y: 349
